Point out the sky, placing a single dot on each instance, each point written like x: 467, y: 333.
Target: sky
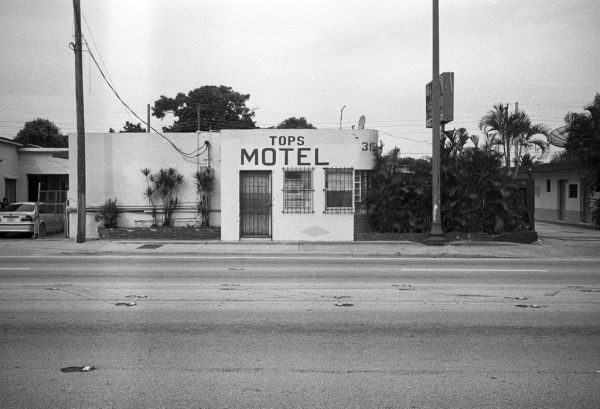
x: 308, y: 58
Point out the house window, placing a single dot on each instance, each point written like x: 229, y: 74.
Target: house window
x: 338, y: 190
x: 297, y: 190
x: 573, y: 191
x: 361, y: 186
x: 548, y: 184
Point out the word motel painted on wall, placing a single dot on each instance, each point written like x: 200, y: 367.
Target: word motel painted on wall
x: 283, y: 150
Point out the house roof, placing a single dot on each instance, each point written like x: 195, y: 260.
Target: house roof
x: 556, y: 166
x: 10, y: 142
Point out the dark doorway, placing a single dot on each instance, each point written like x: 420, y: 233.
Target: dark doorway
x: 255, y: 204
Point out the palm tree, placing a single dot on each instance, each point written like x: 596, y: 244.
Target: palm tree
x: 498, y: 128
x: 513, y: 129
x: 453, y: 143
x: 529, y: 138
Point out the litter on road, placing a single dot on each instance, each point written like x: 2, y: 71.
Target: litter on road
x: 86, y: 368
x: 404, y: 287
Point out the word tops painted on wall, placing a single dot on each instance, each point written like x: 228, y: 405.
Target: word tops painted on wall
x: 283, y: 150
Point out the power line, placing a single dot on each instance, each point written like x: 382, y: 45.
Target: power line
x: 95, y: 45
x: 192, y: 154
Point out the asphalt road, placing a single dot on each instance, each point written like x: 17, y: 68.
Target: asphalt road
x: 226, y: 332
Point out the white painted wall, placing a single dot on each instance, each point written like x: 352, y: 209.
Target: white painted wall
x: 316, y: 148
x: 9, y: 167
x: 113, y: 170
x: 546, y: 203
x: 114, y: 161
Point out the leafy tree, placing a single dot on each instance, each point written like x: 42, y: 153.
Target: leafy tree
x: 399, y: 195
x: 477, y: 196
x: 220, y: 108
x: 295, y: 123
x: 42, y: 132
x: 131, y: 128
x: 583, y: 142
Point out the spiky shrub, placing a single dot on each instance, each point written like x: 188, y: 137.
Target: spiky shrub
x: 205, y: 185
x: 165, y: 184
x: 149, y: 193
x: 108, y: 214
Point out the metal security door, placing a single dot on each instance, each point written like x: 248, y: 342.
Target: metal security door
x: 255, y: 204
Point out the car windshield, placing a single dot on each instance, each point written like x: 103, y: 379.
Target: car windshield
x: 19, y: 207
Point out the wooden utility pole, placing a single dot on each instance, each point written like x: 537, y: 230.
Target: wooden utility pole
x: 81, y: 214
x: 436, y: 235
x: 148, y: 120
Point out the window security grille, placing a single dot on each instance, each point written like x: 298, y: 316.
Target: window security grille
x: 361, y: 186
x: 338, y: 190
x: 297, y: 190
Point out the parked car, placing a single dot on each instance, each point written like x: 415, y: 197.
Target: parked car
x: 21, y: 218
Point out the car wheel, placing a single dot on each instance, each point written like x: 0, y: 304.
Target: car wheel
x: 42, y: 230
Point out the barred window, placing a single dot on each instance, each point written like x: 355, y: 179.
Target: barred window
x: 297, y: 190
x: 361, y: 186
x: 338, y: 190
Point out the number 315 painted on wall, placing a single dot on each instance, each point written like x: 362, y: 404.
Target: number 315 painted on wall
x: 366, y: 146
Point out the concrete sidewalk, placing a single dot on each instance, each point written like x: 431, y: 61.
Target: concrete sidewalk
x: 555, y: 241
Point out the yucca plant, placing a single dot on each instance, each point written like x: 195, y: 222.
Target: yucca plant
x: 205, y: 185
x: 149, y: 193
x: 165, y: 184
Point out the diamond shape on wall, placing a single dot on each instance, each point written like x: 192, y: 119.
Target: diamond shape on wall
x: 315, y: 231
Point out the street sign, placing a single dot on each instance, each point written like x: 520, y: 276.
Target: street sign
x: 445, y: 99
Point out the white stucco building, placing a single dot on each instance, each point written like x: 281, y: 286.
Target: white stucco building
x: 275, y: 184
x: 561, y: 194
x: 24, y: 170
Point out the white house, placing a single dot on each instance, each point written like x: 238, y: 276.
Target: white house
x: 561, y: 194
x: 276, y: 184
x: 24, y: 170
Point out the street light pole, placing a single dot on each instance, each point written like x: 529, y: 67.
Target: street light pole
x: 436, y: 235
x: 341, y: 114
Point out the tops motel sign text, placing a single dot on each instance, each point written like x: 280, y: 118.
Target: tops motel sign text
x: 289, y: 150
x: 445, y: 99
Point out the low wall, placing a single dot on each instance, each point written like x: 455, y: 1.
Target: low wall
x: 525, y: 237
